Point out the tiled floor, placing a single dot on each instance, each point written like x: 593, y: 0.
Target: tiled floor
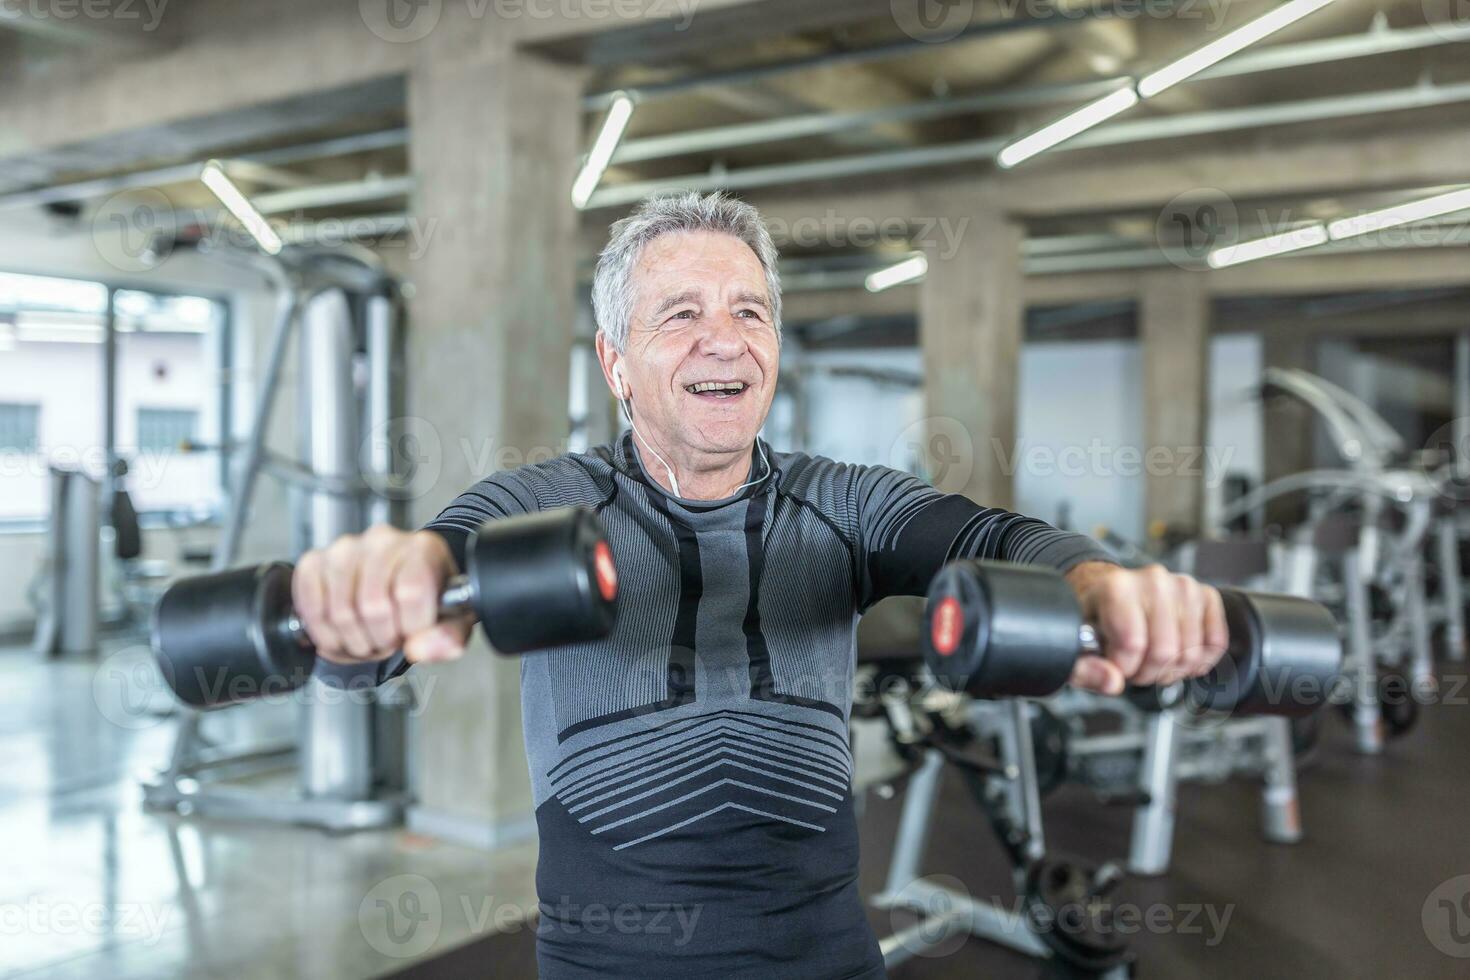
x: 93, y: 886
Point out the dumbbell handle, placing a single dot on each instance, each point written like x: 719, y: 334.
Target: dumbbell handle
x: 457, y: 599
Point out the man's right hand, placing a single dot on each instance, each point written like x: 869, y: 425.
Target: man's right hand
x: 366, y: 596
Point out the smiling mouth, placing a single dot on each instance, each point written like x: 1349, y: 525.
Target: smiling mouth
x: 717, y: 389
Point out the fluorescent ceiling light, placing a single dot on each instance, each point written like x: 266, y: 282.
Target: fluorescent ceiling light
x: 1068, y: 126
x: 214, y: 177
x: 1264, y: 248
x: 897, y: 274
x: 1217, y: 51
x: 1402, y: 214
x: 603, y: 148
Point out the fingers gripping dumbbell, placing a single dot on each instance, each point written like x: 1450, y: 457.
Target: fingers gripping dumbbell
x: 533, y: 582
x: 1002, y: 630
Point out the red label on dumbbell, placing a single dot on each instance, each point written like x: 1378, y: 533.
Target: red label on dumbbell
x: 607, y: 572
x: 946, y: 625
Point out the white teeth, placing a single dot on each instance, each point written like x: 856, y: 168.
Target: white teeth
x: 731, y: 386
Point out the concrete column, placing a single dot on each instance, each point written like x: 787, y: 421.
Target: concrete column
x: 495, y: 136
x: 1174, y: 333
x: 1287, y: 426
x: 971, y: 321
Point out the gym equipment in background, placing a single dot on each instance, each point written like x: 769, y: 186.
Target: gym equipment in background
x: 533, y: 582
x: 344, y: 473
x: 66, y: 591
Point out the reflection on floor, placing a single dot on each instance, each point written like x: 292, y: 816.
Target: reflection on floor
x: 92, y: 886
x: 1357, y: 899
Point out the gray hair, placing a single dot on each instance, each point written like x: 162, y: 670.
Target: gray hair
x: 612, y: 284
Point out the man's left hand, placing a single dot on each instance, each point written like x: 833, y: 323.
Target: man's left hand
x: 1155, y: 627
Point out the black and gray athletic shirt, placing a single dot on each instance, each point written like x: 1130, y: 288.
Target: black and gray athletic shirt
x: 691, y: 772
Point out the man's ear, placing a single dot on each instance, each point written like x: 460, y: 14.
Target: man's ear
x: 610, y: 359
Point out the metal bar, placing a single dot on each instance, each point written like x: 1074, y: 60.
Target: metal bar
x: 823, y: 123
x: 986, y: 921
x: 1281, y: 820
x: 1460, y: 430
x: 103, y: 186
x: 1027, y: 785
x: 913, y: 827
x: 1255, y: 61
x: 325, y: 195
x: 109, y: 405
x: 1367, y: 723
x: 972, y: 151
x: 1153, y: 823
x: 856, y: 56
x: 229, y: 546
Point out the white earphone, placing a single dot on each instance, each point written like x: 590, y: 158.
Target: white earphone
x: 625, y: 399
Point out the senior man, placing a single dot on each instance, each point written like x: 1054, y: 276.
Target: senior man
x: 692, y: 771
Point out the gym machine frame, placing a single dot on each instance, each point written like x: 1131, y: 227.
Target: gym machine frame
x: 342, y: 785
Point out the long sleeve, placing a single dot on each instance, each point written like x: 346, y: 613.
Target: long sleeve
x: 907, y: 531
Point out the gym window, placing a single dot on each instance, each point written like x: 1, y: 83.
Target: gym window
x: 19, y: 427
x: 166, y: 430
x: 167, y: 368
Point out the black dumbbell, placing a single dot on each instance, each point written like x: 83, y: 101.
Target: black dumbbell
x: 999, y: 630
x: 534, y: 582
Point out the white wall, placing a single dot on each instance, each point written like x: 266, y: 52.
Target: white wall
x: 1079, y: 432
x: 1071, y: 395
x: 65, y: 379
x: 1234, y: 434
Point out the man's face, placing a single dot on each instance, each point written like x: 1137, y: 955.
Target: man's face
x: 701, y: 318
